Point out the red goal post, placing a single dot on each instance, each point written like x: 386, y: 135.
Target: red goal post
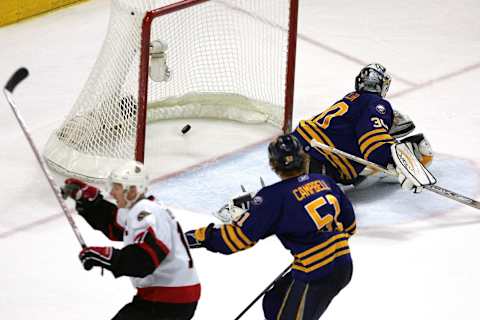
x: 231, y: 59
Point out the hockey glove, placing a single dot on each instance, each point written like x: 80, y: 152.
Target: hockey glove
x: 84, y: 194
x: 98, y: 257
x: 79, y: 190
x: 195, y: 238
x: 234, y: 208
x: 401, y: 126
x: 421, y: 148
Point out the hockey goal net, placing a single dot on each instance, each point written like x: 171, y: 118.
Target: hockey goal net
x: 160, y: 60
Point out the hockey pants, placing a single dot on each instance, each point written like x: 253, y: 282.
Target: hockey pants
x: 140, y: 309
x: 292, y: 299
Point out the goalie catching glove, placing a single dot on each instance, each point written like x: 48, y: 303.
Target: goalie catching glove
x: 412, y: 175
x: 402, y: 125
x: 421, y: 148
x: 235, y: 207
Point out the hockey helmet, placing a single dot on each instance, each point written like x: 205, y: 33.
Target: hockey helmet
x: 373, y: 78
x: 286, y: 152
x: 131, y: 173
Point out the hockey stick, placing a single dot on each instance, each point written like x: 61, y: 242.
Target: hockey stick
x: 14, y: 80
x: 263, y: 292
x: 434, y: 188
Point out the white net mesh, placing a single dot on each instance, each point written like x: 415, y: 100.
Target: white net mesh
x: 227, y: 60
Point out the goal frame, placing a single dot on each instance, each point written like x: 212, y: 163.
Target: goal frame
x: 144, y: 67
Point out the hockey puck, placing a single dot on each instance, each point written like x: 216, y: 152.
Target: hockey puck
x: 186, y: 128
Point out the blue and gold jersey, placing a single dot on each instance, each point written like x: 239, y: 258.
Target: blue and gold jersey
x: 309, y: 214
x: 358, y: 124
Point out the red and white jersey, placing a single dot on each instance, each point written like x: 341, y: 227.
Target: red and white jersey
x: 175, y: 279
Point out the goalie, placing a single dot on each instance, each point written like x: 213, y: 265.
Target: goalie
x: 364, y: 124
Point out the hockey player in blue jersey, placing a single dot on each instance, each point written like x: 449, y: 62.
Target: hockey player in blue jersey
x: 311, y: 217
x: 363, y: 124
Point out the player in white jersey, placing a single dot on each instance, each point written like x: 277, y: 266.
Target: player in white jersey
x: 155, y: 254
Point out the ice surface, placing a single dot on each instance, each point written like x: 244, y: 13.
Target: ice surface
x: 415, y: 256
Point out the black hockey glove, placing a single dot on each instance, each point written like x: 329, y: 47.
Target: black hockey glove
x: 193, y: 243
x: 195, y: 238
x: 104, y: 257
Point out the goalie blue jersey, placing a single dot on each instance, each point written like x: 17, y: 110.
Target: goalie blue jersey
x: 309, y: 214
x: 358, y: 124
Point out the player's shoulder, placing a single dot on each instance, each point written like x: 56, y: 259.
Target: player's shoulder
x: 319, y: 176
x: 146, y: 204
x: 360, y: 100
x: 276, y: 190
x: 324, y: 181
x: 364, y: 97
x: 287, y: 185
x: 373, y: 98
x: 376, y: 104
x: 273, y: 188
x: 146, y: 212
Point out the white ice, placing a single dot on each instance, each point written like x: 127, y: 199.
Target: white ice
x: 415, y: 256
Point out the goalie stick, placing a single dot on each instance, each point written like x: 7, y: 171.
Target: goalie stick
x: 14, y: 80
x: 434, y: 188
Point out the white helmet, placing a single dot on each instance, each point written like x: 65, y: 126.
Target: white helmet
x: 131, y: 173
x: 373, y: 78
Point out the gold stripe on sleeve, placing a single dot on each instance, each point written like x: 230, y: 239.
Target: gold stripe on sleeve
x: 351, y: 227
x: 371, y: 133
x: 200, y: 234
x: 364, y: 146
x: 339, y: 159
x: 334, y: 158
x: 226, y: 240
x: 233, y: 237
x: 317, y: 137
x: 243, y: 236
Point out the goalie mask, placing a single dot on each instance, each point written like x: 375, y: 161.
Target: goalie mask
x: 373, y: 78
x: 130, y: 174
x: 286, y: 153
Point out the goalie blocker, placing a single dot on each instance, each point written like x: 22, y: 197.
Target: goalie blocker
x: 412, y: 175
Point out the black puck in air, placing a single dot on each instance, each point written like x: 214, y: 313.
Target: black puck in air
x: 186, y: 128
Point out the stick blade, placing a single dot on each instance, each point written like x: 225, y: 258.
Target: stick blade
x: 16, y: 78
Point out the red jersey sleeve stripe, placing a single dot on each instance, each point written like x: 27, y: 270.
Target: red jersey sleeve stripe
x: 151, y: 253
x: 158, y: 242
